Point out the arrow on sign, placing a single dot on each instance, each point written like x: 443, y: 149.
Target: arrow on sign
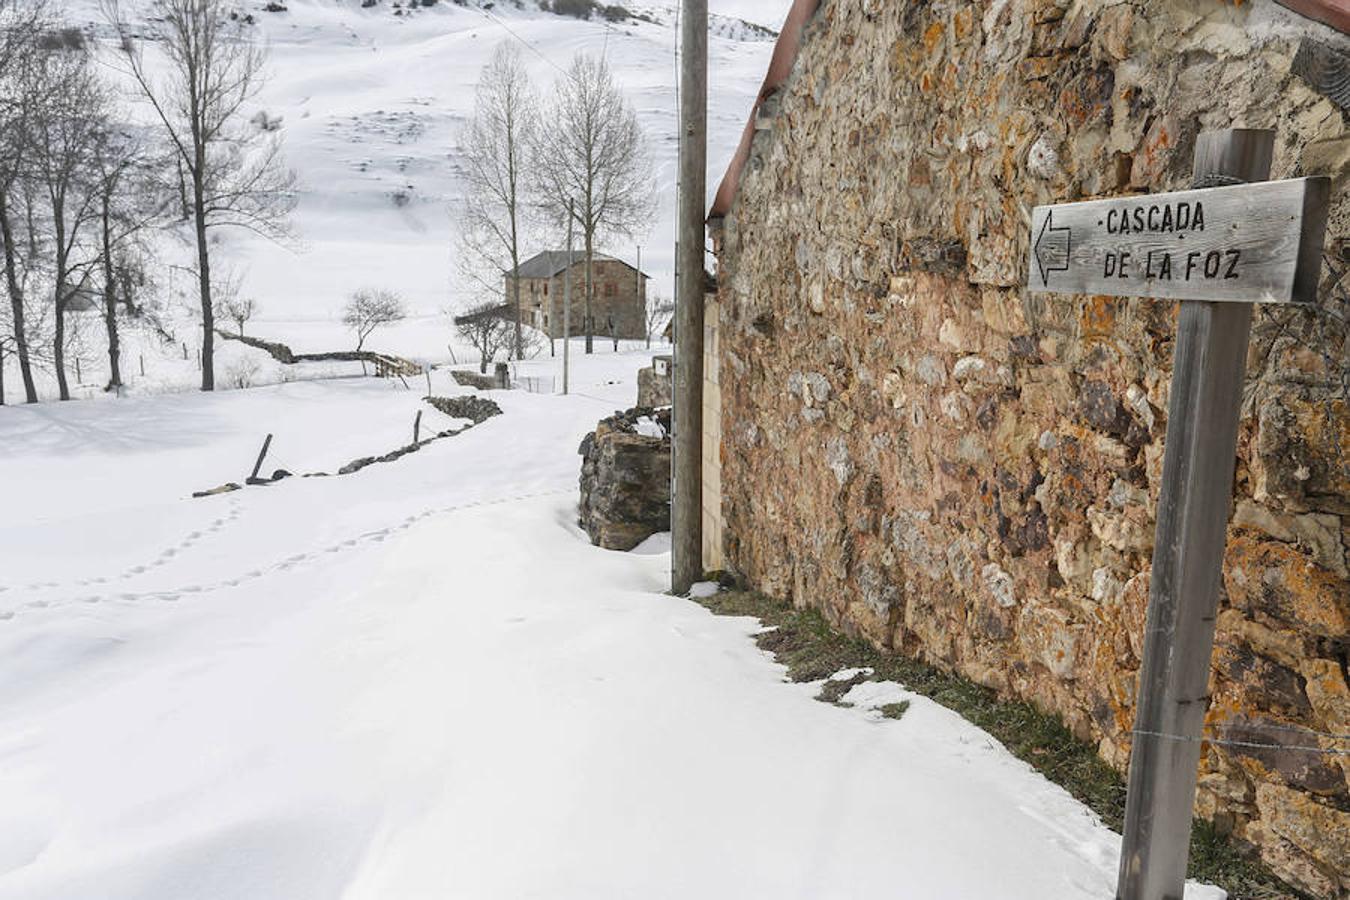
x: 1052, y: 248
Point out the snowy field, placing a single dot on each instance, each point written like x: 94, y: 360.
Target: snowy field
x: 372, y: 106
x: 421, y: 681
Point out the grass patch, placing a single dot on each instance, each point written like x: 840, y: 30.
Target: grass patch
x: 833, y: 691
x: 893, y: 710
x: 803, y: 640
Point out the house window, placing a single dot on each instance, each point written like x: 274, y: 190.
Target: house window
x: 610, y: 289
x: 545, y: 289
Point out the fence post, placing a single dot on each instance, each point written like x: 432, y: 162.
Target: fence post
x: 262, y: 454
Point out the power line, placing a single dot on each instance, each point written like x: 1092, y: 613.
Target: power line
x: 531, y: 47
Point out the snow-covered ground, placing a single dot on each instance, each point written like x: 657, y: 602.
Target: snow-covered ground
x: 371, y: 106
x: 421, y: 681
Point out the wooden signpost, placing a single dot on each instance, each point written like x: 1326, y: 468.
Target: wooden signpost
x: 1239, y: 242
x: 1250, y: 243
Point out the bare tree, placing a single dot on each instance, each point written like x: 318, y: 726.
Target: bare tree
x: 368, y: 309
x: 495, y: 145
x: 21, y: 23
x: 64, y: 133
x: 211, y: 70
x: 239, y: 309
x: 128, y: 203
x: 486, y: 331
x: 593, y: 153
x: 6, y: 351
x: 659, y: 312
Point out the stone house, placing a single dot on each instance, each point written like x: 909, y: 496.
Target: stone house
x: 619, y: 305
x: 901, y: 435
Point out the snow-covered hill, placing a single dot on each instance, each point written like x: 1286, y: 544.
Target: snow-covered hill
x: 371, y: 104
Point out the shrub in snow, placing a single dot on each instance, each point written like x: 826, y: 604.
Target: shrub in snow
x: 64, y: 39
x: 242, y: 373
x: 264, y: 122
x: 577, y: 9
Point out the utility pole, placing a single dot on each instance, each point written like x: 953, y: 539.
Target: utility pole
x: 567, y: 302
x: 1193, y: 508
x: 646, y: 320
x: 686, y: 495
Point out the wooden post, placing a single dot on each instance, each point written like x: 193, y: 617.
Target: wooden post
x: 427, y: 370
x: 1192, y: 521
x: 417, y: 427
x: 262, y: 454
x: 184, y: 351
x: 686, y: 495
x: 567, y: 302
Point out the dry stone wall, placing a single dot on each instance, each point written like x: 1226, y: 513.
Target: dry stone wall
x: 966, y: 472
x: 625, y: 478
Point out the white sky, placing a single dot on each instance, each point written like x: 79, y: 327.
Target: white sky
x: 761, y: 12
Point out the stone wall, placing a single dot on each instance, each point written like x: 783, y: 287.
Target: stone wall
x: 966, y: 472
x: 625, y: 478
x: 655, y: 385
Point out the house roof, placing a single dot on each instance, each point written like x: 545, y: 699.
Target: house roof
x: 500, y: 311
x: 780, y: 67
x: 552, y: 262
x: 1335, y: 13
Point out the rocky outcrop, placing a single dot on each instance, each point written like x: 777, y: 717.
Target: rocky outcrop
x: 625, y: 479
x: 966, y: 472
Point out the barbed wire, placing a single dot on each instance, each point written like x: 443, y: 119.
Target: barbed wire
x: 1254, y: 745
x: 1275, y: 726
